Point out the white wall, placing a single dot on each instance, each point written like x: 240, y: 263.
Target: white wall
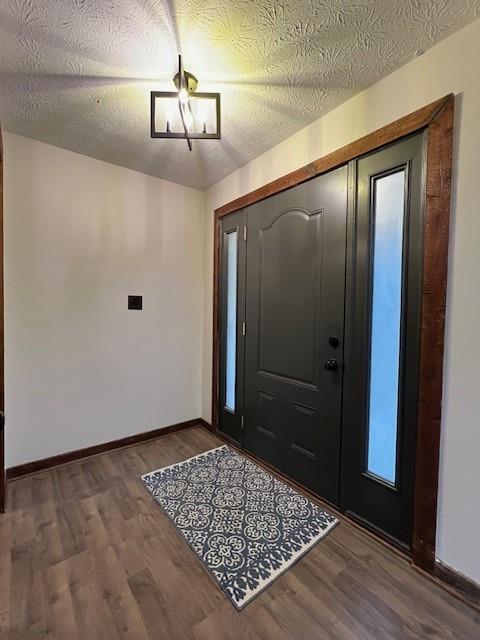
x: 80, y: 235
x: 451, y: 66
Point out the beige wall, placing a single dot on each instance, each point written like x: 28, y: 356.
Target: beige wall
x: 451, y: 66
x: 80, y: 235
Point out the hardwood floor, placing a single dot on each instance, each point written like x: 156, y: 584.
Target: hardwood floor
x: 85, y: 553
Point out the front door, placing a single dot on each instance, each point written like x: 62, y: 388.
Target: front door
x: 320, y: 333
x: 295, y: 292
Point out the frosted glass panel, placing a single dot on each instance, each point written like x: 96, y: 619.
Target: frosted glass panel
x: 231, y: 338
x: 389, y: 202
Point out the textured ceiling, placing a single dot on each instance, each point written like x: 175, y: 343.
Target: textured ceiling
x: 77, y: 73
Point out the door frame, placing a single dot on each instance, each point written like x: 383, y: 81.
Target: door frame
x: 436, y: 119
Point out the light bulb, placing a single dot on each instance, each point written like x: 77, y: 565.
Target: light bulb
x: 183, y: 96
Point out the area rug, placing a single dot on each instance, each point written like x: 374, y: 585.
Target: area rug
x: 245, y: 525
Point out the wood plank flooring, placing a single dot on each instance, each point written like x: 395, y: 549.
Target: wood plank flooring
x: 85, y: 553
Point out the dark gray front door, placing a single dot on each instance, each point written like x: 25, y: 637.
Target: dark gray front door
x: 295, y: 289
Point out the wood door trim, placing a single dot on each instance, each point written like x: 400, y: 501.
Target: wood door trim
x: 438, y: 177
x: 437, y: 119
x: 404, y: 126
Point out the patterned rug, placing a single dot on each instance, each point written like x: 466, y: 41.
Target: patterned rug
x: 246, y: 526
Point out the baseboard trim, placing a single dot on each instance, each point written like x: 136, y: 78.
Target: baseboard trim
x: 206, y: 424
x: 469, y: 589
x: 71, y: 456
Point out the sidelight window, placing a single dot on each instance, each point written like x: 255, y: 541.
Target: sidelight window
x: 388, y: 200
x: 231, y: 321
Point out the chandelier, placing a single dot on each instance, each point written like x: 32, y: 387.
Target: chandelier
x: 185, y: 113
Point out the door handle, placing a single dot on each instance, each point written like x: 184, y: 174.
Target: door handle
x: 331, y: 365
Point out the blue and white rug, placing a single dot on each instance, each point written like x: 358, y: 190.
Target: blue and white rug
x: 246, y: 526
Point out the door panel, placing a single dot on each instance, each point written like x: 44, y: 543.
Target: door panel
x: 283, y: 246
x: 232, y: 317
x: 295, y: 284
x: 382, y: 343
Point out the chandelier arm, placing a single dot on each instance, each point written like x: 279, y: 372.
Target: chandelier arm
x: 183, y: 85
x: 185, y: 128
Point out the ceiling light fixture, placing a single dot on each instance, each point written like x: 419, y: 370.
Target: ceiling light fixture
x: 185, y: 113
